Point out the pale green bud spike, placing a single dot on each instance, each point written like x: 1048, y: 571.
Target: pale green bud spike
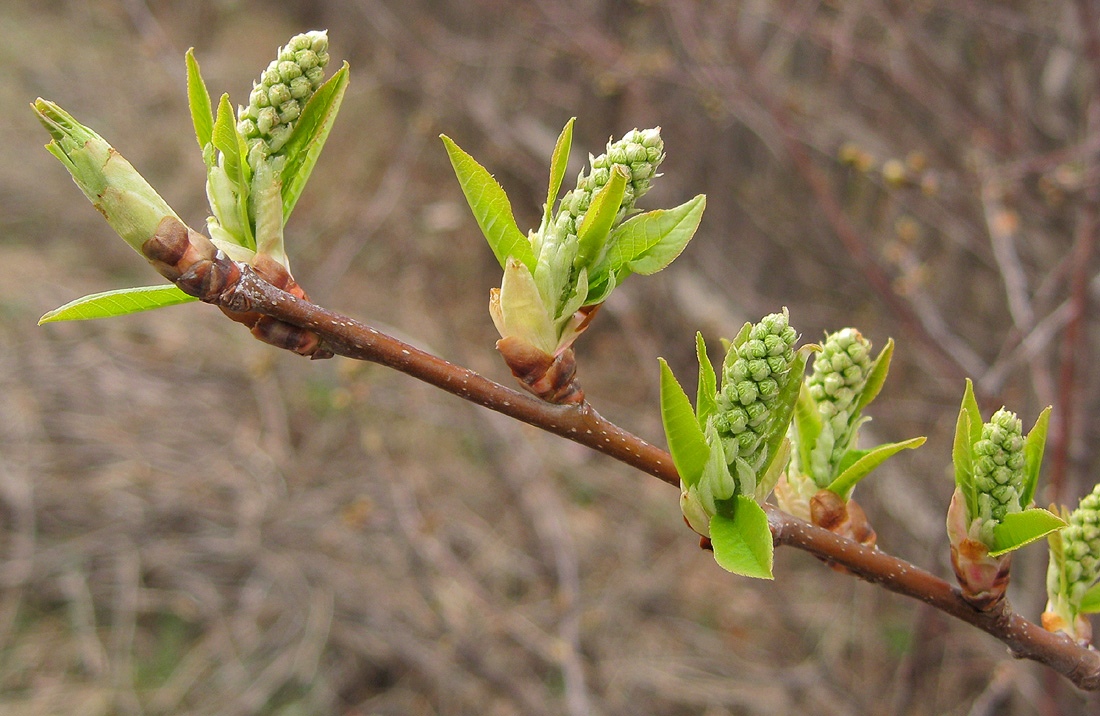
x: 639, y: 152
x: 752, y: 374
x: 1081, y: 545
x: 1074, y: 569
x: 999, y: 470
x: 131, y: 206
x: 840, y: 372
x: 284, y: 88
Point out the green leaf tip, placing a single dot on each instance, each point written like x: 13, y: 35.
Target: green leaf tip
x: 685, y: 438
x: 1017, y: 529
x: 742, y: 540
x: 559, y: 162
x: 490, y: 207
x: 119, y: 302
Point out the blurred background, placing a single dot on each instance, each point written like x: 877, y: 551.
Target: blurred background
x: 192, y: 522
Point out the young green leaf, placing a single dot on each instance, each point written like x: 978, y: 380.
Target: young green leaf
x: 229, y: 142
x: 963, y: 460
x: 491, y: 207
x: 970, y: 405
x: 776, y: 468
x: 807, y: 423
x: 600, y: 216
x: 1020, y: 528
x: 119, y: 302
x: 1090, y: 602
x: 738, y: 341
x: 307, y: 139
x: 559, y: 161
x: 686, y: 441
x: 876, y: 377
x: 198, y: 99
x: 1033, y: 449
x: 522, y: 312
x: 785, y: 402
x: 705, y: 398
x: 647, y: 243
x: 741, y: 539
x: 849, y: 478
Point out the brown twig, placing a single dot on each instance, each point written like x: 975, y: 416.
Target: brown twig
x: 580, y: 423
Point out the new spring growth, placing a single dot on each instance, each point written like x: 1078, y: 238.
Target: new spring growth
x: 839, y: 373
x: 278, y: 98
x: 996, y: 471
x: 253, y: 179
x: 826, y: 463
x: 1073, y: 575
x: 831, y: 395
x: 752, y: 374
x: 732, y: 448
x: 557, y: 275
x: 245, y: 163
x: 131, y: 206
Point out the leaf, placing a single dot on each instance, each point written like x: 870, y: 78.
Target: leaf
x: 307, y: 139
x: 559, y: 161
x: 686, y: 441
x: 490, y: 206
x: 961, y: 456
x: 599, y: 218
x: 876, y: 377
x: 705, y: 398
x: 807, y: 423
x: 766, y: 483
x: 522, y: 309
x: 1090, y: 601
x: 1033, y: 448
x: 741, y: 539
x: 739, y: 340
x: 970, y: 405
x: 267, y: 209
x: 716, y: 482
x: 847, y: 480
x: 198, y: 99
x: 1020, y: 528
x: 850, y: 458
x: 598, y: 293
x: 230, y: 143
x: 119, y: 302
x: 647, y: 243
x: 784, y: 405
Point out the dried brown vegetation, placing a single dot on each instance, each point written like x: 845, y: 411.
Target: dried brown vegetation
x: 191, y: 522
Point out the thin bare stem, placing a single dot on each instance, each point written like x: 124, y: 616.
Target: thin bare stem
x: 582, y: 424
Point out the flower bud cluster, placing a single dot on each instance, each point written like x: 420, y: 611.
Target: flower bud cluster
x: 751, y: 379
x: 999, y: 469
x: 278, y: 99
x: 639, y: 152
x: 1081, y: 547
x: 840, y: 372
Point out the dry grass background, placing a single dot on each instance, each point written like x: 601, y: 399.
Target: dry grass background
x: 194, y: 523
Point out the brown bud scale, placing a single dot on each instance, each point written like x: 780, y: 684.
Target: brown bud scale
x: 551, y: 378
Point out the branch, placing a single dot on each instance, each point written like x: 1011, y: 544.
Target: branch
x: 582, y: 424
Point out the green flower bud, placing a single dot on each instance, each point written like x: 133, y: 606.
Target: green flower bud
x: 840, y: 372
x: 284, y: 88
x: 1082, y: 546
x: 638, y: 152
x: 751, y: 377
x: 1001, y: 445
x: 1074, y: 569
